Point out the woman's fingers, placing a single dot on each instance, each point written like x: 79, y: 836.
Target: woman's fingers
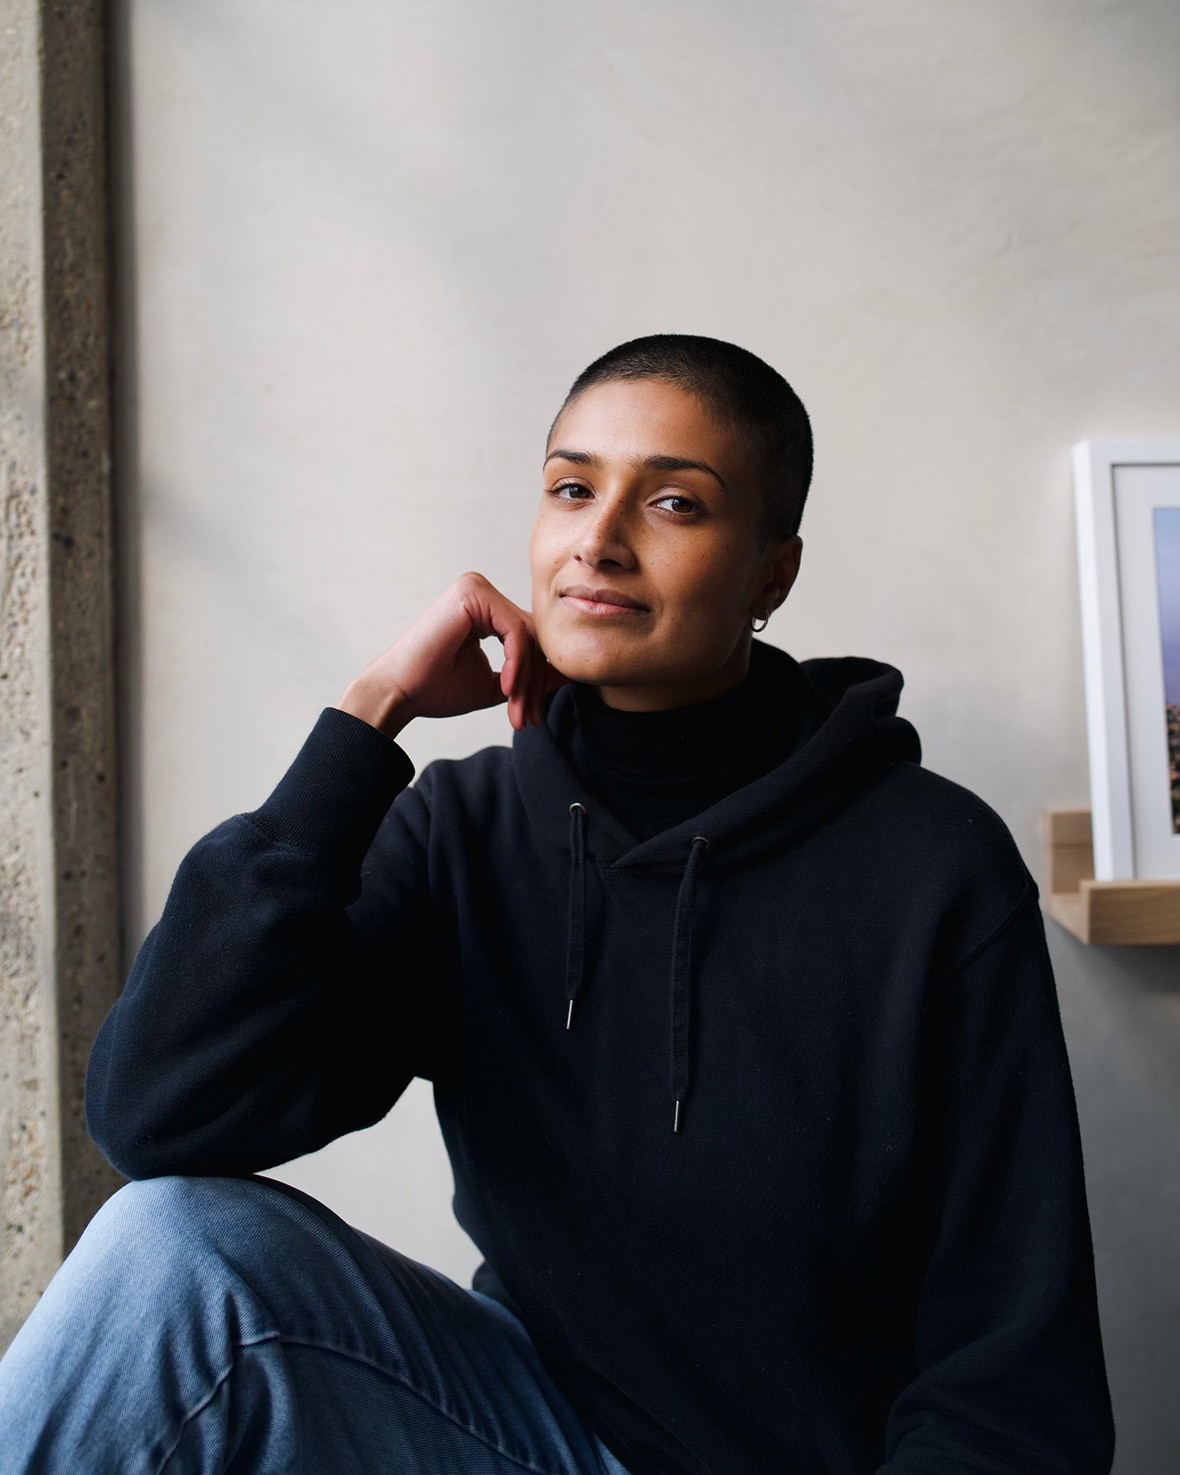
x: 527, y: 685
x: 535, y: 711
x: 541, y: 676
x: 436, y: 667
x: 518, y: 708
x: 509, y: 624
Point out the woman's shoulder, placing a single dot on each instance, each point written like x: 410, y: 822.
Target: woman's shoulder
x: 965, y: 858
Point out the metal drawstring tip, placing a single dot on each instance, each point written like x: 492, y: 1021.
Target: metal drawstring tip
x: 676, y: 1119
x: 569, y: 1018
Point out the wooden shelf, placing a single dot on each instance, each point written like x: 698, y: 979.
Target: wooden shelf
x: 1102, y: 911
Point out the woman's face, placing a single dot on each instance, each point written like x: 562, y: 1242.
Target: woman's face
x: 647, y: 496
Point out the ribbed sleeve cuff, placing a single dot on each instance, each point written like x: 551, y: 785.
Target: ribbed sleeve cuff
x: 335, y: 794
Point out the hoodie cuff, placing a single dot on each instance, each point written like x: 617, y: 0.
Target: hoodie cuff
x: 335, y: 794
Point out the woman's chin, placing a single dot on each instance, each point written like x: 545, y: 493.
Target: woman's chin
x: 593, y: 668
x: 592, y: 657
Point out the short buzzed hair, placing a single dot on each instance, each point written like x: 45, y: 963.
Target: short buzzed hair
x: 742, y: 391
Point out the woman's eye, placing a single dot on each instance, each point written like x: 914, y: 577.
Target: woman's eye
x: 575, y: 488
x: 689, y: 504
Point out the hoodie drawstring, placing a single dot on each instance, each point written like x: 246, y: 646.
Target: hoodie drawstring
x: 576, y: 929
x: 681, y: 971
x: 679, y: 1042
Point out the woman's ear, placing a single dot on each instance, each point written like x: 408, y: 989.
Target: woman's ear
x: 781, y: 569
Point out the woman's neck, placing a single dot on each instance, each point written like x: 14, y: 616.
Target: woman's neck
x: 668, y: 697
x: 653, y: 769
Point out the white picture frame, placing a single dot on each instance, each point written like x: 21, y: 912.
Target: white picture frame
x: 1127, y: 505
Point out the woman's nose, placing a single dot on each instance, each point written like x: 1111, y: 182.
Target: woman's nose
x: 604, y: 535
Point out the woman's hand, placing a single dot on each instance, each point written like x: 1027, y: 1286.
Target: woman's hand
x: 436, y: 668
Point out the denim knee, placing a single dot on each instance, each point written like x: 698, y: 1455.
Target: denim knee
x: 175, y: 1217
x: 176, y: 1200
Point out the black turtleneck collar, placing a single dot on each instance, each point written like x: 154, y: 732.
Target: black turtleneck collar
x: 654, y: 769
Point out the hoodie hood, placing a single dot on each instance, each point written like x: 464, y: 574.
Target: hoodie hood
x: 856, y: 732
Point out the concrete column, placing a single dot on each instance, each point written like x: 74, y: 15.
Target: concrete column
x: 59, y: 919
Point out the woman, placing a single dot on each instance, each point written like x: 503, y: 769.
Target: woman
x: 741, y: 1025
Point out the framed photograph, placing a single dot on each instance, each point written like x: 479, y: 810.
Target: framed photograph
x: 1127, y: 498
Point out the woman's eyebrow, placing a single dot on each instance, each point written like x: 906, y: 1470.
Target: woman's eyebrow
x: 641, y: 463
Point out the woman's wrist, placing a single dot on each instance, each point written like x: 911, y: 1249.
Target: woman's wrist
x: 383, y: 707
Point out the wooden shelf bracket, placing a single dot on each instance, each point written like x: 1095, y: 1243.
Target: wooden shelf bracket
x: 1102, y: 911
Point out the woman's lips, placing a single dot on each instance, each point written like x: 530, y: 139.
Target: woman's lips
x: 599, y: 610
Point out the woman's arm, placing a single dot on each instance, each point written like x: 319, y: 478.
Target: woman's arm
x: 1011, y: 1370
x: 300, y: 976
x: 280, y: 1001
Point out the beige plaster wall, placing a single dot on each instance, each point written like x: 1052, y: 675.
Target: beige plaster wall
x: 364, y: 248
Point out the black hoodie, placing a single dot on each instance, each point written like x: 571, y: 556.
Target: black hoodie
x: 764, y: 1125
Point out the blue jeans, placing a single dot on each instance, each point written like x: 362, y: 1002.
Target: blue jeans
x: 238, y: 1325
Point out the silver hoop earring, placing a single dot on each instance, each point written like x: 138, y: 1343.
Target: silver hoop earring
x: 765, y: 621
